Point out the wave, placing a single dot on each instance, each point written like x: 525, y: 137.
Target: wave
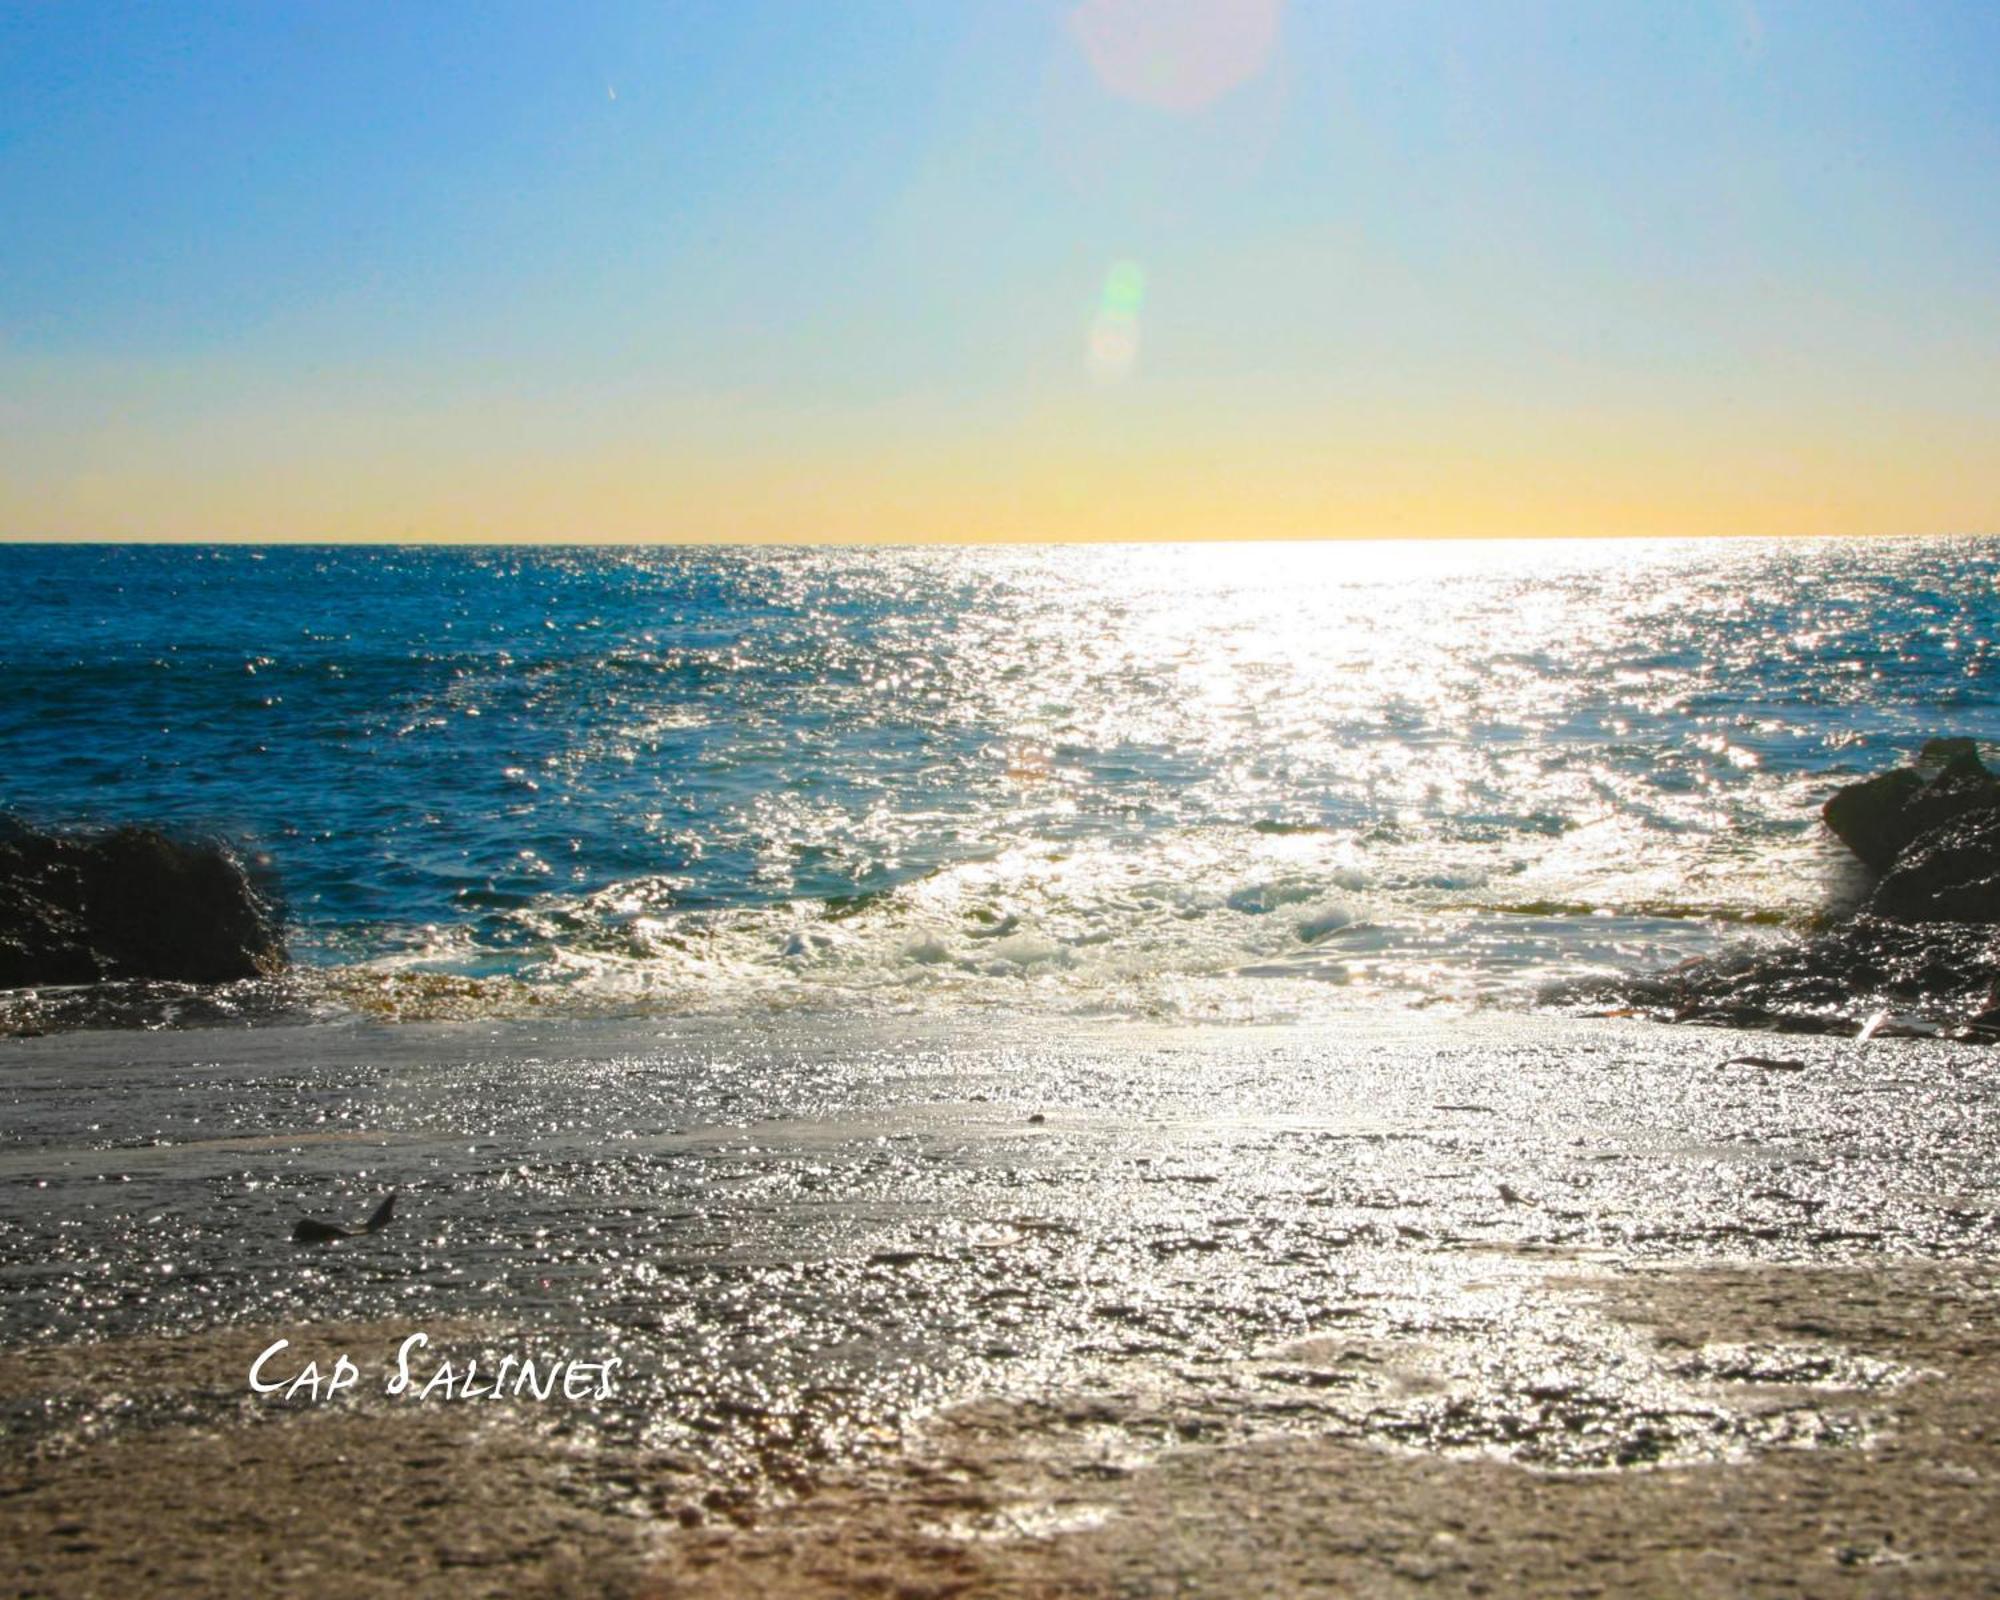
x: 1211, y: 922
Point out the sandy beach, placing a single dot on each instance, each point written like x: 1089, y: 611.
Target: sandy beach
x: 1871, y: 1391
x: 1467, y: 1305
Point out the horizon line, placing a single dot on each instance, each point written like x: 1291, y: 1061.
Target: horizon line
x: 588, y: 541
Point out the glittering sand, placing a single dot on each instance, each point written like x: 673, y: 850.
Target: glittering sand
x: 1846, y: 1442
x: 1452, y: 1308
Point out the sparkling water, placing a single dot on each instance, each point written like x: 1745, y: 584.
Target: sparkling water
x: 1254, y: 782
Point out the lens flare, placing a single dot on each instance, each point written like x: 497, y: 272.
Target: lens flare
x: 1114, y: 332
x: 1125, y: 287
x: 1177, y: 55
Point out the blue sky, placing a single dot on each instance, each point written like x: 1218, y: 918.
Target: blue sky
x: 769, y: 271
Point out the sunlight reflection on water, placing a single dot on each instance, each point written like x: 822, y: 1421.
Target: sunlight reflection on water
x: 1159, y: 780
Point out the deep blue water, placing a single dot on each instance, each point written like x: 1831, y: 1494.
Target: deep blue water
x: 1216, y: 780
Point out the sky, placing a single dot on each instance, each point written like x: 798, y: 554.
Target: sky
x: 998, y: 269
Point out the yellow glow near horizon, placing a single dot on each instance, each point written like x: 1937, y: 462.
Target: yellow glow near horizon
x: 1061, y: 479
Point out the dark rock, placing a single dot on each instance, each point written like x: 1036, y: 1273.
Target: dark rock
x: 1881, y: 817
x: 1938, y: 754
x: 1828, y: 982
x: 1960, y: 790
x: 1925, y: 945
x: 1867, y: 816
x: 1950, y: 874
x: 130, y: 903
x: 310, y: 1230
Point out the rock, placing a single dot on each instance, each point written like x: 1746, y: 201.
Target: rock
x: 129, y: 903
x: 1925, y: 945
x: 1867, y: 816
x: 1829, y: 981
x: 1882, y: 816
x: 1937, y: 754
x: 1950, y: 874
x: 310, y: 1230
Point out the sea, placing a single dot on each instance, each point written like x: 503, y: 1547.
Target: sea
x: 1235, y: 782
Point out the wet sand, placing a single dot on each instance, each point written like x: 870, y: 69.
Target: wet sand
x: 1875, y: 1390
x: 1038, y: 1504
x: 1426, y: 1307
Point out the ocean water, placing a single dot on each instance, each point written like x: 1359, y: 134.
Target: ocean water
x: 1240, y: 782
